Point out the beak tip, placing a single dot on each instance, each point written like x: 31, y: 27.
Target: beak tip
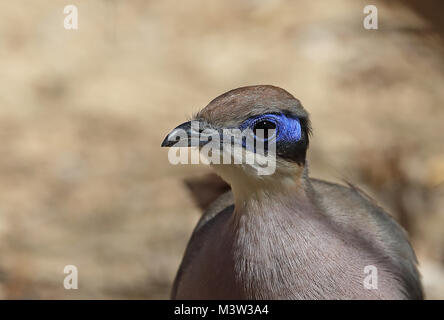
x: 169, y: 140
x: 165, y: 143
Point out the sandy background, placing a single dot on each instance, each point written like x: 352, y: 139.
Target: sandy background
x: 83, y: 179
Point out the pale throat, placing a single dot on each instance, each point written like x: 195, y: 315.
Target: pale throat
x: 252, y: 190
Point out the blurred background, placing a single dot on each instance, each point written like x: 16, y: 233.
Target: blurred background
x: 84, y: 182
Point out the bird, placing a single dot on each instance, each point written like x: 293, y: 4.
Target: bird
x: 286, y: 235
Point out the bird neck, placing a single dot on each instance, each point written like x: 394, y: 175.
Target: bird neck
x: 250, y: 190
x: 271, y: 230
x: 267, y: 197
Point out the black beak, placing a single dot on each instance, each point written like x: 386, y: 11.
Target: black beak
x: 179, y: 136
x: 192, y: 134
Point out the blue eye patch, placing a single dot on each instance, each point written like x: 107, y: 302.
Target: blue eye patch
x: 288, y: 129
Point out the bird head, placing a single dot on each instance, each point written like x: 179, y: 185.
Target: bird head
x: 265, y: 124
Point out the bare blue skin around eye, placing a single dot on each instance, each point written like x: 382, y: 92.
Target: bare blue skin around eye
x: 288, y: 129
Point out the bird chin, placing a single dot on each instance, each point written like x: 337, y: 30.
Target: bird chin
x: 236, y: 159
x: 248, y: 173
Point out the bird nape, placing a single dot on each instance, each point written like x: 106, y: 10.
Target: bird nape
x: 280, y: 234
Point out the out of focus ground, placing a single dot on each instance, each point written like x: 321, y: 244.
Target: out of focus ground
x: 83, y: 180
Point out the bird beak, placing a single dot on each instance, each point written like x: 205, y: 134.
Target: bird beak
x: 188, y: 134
x: 179, y: 136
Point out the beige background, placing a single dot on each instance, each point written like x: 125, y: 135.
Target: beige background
x: 83, y: 179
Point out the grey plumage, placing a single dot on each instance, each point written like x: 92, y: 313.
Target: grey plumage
x: 291, y: 238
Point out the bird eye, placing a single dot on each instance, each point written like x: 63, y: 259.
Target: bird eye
x: 261, y: 128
